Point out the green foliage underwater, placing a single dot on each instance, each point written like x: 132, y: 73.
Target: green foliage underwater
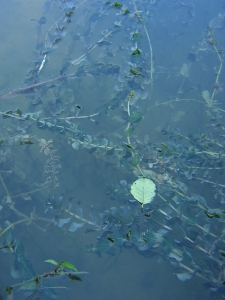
x: 112, y: 149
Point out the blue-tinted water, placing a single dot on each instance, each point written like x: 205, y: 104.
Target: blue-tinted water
x: 94, y: 95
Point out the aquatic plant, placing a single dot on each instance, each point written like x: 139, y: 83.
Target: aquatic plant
x: 100, y: 101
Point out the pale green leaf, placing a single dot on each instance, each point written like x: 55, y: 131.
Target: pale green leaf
x: 143, y: 190
x: 52, y: 261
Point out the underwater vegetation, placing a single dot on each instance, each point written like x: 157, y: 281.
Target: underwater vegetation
x: 113, y: 91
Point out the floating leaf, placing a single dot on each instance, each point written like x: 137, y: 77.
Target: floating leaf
x: 143, y: 190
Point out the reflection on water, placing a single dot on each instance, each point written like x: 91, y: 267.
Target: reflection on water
x: 95, y: 95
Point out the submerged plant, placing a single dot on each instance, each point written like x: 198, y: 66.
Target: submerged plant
x: 97, y: 103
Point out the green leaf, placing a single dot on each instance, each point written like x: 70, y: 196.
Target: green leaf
x: 9, y: 290
x: 164, y: 145
x: 136, y: 52
x: 128, y: 235
x: 135, y: 72
x: 18, y: 112
x: 56, y: 40
x: 110, y: 239
x: 52, y: 261
x: 136, y: 36
x: 74, y: 277
x: 135, y: 159
x: 68, y: 265
x: 214, y: 213
x: 128, y: 146
x: 222, y: 253
x: 9, y: 112
x: 125, y: 11
x: 117, y: 4
x: 128, y: 132
x: 69, y: 13
x: 143, y: 190
x: 28, y: 142
x: 135, y: 117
